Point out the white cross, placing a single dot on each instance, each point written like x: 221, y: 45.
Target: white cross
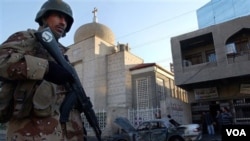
x: 95, y: 12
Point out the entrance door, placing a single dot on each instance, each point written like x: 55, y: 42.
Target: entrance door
x: 213, y: 108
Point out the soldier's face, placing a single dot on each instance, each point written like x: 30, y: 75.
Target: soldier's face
x: 57, y: 22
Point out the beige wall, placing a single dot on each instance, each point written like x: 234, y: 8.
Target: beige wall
x: 210, y: 71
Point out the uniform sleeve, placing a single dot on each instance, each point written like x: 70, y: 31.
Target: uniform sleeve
x: 17, y: 64
x: 36, y: 67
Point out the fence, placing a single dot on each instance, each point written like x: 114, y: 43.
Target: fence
x: 137, y: 116
x: 101, y: 116
x: 134, y: 116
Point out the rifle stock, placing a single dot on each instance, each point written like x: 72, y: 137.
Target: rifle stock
x: 77, y: 93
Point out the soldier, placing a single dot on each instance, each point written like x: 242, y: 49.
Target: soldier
x: 33, y: 83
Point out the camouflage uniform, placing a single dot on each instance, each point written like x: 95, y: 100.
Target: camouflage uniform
x: 29, y: 103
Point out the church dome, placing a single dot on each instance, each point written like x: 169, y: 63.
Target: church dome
x: 88, y: 30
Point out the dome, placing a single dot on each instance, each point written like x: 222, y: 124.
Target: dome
x: 88, y: 30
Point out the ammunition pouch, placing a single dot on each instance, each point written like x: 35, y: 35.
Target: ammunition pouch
x: 44, y: 99
x: 20, y: 100
x: 23, y: 98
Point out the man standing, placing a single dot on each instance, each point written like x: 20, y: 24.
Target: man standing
x: 226, y: 116
x: 219, y: 120
x: 33, y: 86
x: 208, y: 121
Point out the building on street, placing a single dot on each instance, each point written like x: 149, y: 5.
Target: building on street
x: 213, y: 65
x: 119, y: 83
x: 218, y: 11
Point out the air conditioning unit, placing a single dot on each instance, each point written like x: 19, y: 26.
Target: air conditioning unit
x: 186, y: 63
x: 230, y: 48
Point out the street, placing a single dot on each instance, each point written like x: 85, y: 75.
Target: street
x: 206, y: 137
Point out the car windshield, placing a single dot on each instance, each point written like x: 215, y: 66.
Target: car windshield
x: 151, y: 125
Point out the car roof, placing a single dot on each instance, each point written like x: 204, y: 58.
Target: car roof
x: 125, y: 124
x: 164, y: 121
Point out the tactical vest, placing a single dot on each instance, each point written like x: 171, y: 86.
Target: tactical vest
x: 20, y: 99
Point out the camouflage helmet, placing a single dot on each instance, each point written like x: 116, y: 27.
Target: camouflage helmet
x: 55, y: 5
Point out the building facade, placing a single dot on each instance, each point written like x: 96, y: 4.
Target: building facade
x: 218, y: 11
x: 213, y: 65
x: 115, y: 84
x: 153, y: 86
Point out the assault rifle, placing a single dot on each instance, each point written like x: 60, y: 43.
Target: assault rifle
x: 77, y: 94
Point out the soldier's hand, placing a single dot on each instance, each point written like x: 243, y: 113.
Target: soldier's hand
x: 57, y: 74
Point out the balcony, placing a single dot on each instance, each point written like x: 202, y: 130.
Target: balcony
x: 238, y: 57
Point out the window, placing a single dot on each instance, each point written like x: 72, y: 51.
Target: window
x: 194, y: 58
x: 210, y: 56
x: 168, y: 87
x: 239, y: 43
x: 242, y: 46
x: 142, y: 93
x: 172, y: 85
x: 157, y: 125
x: 193, y: 50
x: 160, y: 88
x: 144, y: 126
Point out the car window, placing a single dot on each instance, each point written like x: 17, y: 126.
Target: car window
x: 144, y: 126
x: 157, y: 125
x: 168, y: 124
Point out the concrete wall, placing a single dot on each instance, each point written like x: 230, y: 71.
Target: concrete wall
x: 210, y: 71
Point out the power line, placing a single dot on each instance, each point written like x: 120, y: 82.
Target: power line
x: 151, y: 26
x: 168, y: 36
x: 154, y: 25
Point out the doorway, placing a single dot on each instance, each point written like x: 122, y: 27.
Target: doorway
x: 213, y: 108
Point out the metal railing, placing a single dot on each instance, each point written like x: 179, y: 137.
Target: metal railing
x: 137, y: 116
x: 101, y: 117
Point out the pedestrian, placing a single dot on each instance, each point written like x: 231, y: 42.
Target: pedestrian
x: 226, y: 116
x: 209, y: 122
x: 33, y: 86
x: 219, y: 120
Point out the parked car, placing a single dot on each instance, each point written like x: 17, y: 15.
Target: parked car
x: 192, y: 132
x: 153, y: 130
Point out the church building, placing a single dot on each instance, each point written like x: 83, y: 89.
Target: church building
x: 119, y: 83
